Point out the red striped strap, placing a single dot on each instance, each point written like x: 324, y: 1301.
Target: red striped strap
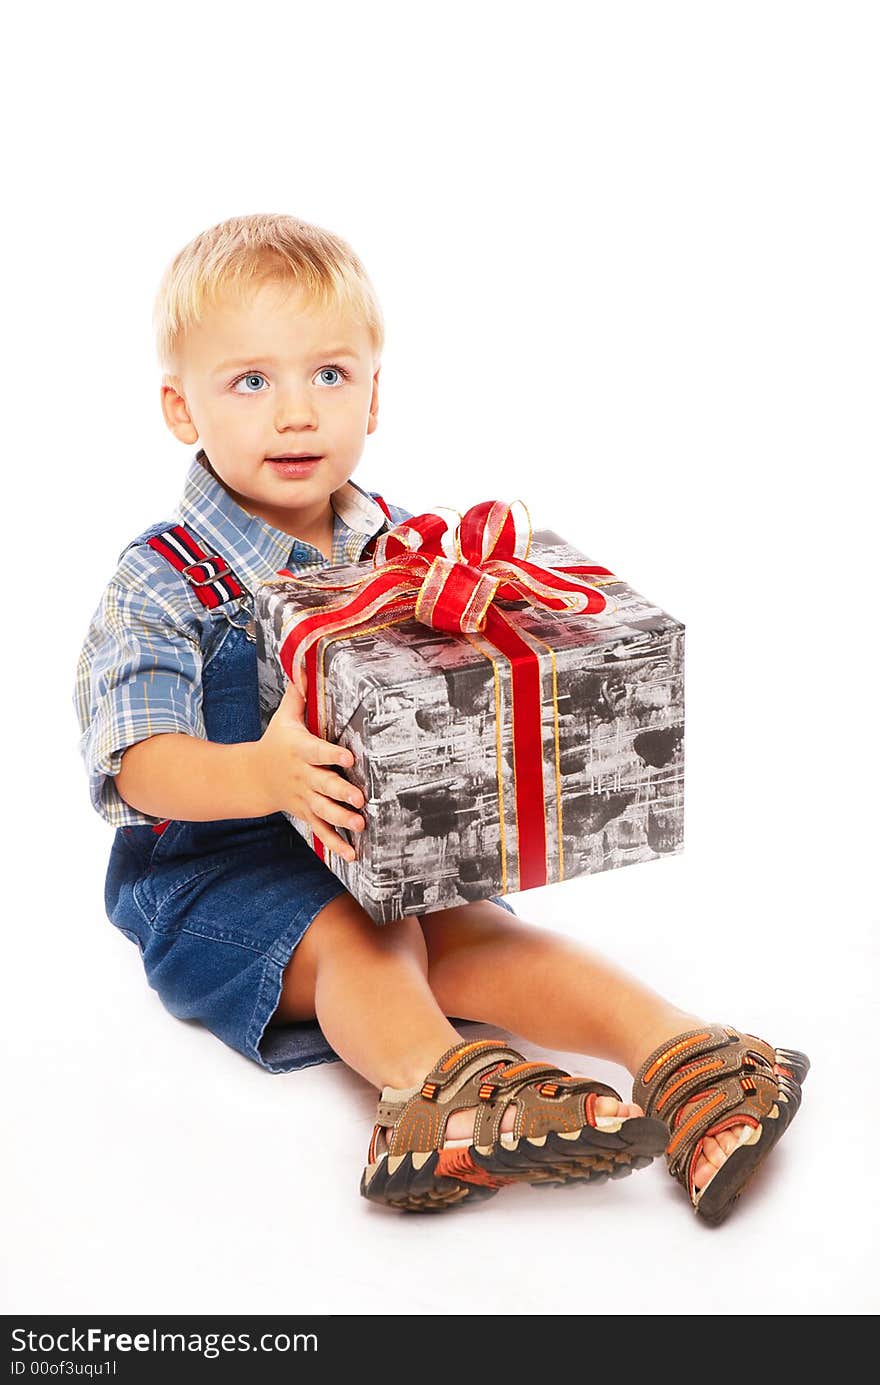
x: 211, y: 577
x: 367, y: 550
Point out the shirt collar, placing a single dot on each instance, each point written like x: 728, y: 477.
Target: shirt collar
x: 255, y: 549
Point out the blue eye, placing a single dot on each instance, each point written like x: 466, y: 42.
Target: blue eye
x: 256, y: 375
x: 251, y: 375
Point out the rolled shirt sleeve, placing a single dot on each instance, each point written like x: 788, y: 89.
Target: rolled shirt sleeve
x: 138, y: 674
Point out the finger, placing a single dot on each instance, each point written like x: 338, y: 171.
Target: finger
x: 332, y: 840
x: 319, y: 752
x: 293, y: 701
x: 328, y: 811
x: 335, y: 786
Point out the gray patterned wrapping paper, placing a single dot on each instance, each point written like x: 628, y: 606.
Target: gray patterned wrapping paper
x: 424, y: 714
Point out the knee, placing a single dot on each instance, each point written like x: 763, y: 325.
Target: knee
x: 343, y: 932
x: 469, y: 926
x: 344, y: 925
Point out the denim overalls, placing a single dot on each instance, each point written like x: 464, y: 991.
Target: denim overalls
x: 217, y: 908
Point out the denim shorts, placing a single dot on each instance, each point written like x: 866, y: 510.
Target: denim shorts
x: 216, y: 910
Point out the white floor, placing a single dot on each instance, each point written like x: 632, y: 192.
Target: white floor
x: 155, y: 1170
x: 630, y: 276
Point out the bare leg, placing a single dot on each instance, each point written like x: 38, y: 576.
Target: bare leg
x: 553, y: 991
x: 368, y: 988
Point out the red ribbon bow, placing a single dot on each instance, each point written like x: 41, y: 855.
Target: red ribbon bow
x: 453, y: 580
x: 445, y: 578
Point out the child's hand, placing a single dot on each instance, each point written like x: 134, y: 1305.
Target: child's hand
x: 295, y: 766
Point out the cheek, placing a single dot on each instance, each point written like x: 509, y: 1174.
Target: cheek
x: 239, y: 417
x: 357, y: 405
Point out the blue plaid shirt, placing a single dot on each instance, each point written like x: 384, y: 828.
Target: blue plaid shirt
x: 139, y: 670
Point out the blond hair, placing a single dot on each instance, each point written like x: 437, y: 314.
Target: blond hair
x: 246, y: 251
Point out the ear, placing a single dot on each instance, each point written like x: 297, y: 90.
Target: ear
x: 373, y: 421
x: 176, y: 411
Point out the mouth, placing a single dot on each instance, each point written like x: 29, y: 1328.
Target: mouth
x: 295, y: 463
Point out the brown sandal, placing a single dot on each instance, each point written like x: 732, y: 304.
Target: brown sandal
x: 557, y: 1137
x: 741, y: 1080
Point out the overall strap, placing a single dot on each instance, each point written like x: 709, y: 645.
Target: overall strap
x: 211, y: 577
x: 367, y: 550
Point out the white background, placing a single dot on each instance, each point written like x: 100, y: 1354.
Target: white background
x: 628, y: 260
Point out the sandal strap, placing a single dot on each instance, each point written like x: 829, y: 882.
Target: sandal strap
x: 418, y: 1121
x: 498, y: 1089
x: 489, y: 1075
x: 719, y: 1103
x: 662, y: 1068
x: 542, y: 1096
x: 709, y: 1069
x: 729, y: 1071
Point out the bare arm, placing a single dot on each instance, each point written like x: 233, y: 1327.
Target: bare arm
x: 181, y: 777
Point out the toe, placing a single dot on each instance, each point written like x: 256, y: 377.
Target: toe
x: 713, y: 1152
x: 716, y: 1150
x: 609, y: 1106
x: 382, y: 1142
x: 710, y: 1161
x: 704, y: 1173
x: 729, y: 1140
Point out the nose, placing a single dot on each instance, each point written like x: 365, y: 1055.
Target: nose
x: 294, y: 408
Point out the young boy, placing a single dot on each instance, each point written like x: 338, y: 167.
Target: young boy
x: 270, y: 339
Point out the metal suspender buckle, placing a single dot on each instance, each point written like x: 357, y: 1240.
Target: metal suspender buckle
x: 249, y: 627
x: 222, y: 570
x: 208, y: 564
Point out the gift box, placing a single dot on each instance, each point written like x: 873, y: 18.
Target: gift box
x: 515, y: 710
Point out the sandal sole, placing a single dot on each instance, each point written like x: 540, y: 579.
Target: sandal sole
x: 736, y: 1172
x: 437, y: 1179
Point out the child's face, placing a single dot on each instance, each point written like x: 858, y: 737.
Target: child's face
x: 270, y: 373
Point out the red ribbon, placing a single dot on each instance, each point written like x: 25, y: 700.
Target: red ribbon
x: 452, y: 580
